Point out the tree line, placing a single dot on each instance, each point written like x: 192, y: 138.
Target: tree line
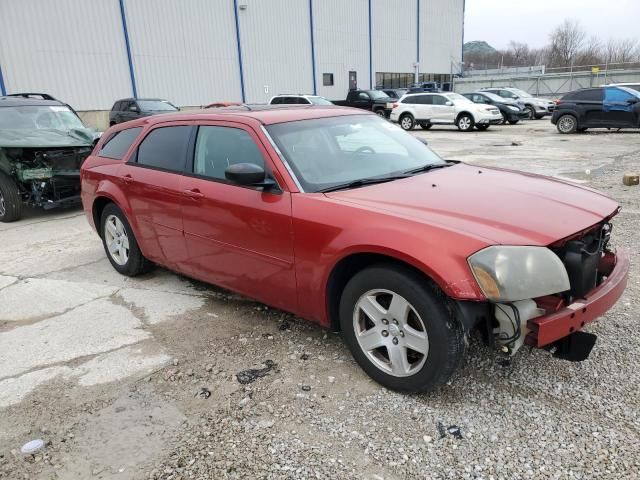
x: 569, y: 47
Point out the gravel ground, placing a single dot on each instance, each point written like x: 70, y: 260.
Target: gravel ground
x: 304, y: 409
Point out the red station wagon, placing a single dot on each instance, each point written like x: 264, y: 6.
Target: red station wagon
x: 342, y: 218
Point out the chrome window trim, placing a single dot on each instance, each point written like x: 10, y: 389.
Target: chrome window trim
x: 284, y: 160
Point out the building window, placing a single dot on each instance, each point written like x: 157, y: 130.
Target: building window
x: 327, y: 79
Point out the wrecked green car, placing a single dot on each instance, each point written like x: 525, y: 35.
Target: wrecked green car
x: 43, y: 143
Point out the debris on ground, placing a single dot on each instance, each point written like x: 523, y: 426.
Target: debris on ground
x: 251, y: 375
x: 203, y: 393
x: 32, y: 447
x: 631, y: 179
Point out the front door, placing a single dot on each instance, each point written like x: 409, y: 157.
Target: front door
x: 353, y: 80
x: 152, y: 182
x: 238, y: 237
x: 442, y: 113
x: 619, y: 107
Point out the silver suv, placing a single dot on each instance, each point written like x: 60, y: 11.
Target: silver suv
x: 298, y: 99
x: 535, y: 107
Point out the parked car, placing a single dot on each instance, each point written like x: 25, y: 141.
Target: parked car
x: 536, y: 107
x: 299, y: 99
x: 129, y: 109
x: 601, y: 107
x: 635, y: 86
x: 395, y: 93
x: 510, y: 110
x: 222, y: 104
x: 43, y: 142
x: 425, y: 87
x: 341, y: 218
x: 374, y: 100
x: 428, y: 109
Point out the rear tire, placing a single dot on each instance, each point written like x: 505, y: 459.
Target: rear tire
x: 120, y: 244
x: 380, y: 113
x: 513, y: 122
x: 465, y: 122
x: 408, y: 340
x: 10, y: 200
x: 407, y: 122
x: 567, y: 124
x: 531, y: 112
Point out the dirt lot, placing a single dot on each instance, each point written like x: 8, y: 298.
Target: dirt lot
x: 136, y: 378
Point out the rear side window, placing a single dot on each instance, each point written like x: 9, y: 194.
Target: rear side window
x: 116, y: 147
x: 593, y: 95
x: 438, y: 100
x: 165, y: 148
x: 276, y: 101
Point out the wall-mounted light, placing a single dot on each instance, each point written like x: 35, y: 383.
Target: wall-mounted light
x: 242, y: 6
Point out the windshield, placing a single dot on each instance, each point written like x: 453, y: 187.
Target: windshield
x: 630, y: 90
x: 319, y: 101
x: 156, y: 106
x: 377, y: 94
x: 456, y: 97
x: 494, y: 97
x: 327, y: 152
x: 521, y: 93
x: 39, y: 117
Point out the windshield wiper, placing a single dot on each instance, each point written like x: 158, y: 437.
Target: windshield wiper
x: 362, y: 182
x: 426, y: 168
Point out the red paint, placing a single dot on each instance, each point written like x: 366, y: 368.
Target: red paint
x: 281, y: 248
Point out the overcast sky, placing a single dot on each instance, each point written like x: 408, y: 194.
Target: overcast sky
x: 530, y: 21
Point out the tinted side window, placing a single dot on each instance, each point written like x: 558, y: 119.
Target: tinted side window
x: 165, y: 148
x: 438, y: 99
x: 276, y: 101
x: 425, y: 99
x: 116, y: 107
x: 219, y: 147
x: 617, y: 95
x: 363, y: 96
x: 119, y: 143
x: 593, y: 95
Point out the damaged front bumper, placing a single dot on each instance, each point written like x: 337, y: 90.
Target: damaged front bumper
x: 561, y: 321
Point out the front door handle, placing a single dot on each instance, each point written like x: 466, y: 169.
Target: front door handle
x: 193, y: 193
x: 127, y: 178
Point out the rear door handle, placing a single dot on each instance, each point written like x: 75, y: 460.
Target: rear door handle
x: 194, y: 194
x: 127, y: 178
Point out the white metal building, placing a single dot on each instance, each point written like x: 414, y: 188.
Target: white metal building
x: 193, y: 52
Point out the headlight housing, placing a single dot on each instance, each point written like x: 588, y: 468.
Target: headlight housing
x: 512, y: 273
x: 511, y: 107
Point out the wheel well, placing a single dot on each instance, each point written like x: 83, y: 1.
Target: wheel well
x: 98, y: 207
x: 405, y: 114
x: 346, y: 268
x: 465, y: 113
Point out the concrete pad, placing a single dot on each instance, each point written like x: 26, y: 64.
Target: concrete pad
x: 126, y: 362
x: 160, y: 306
x: 13, y: 390
x: 5, y: 281
x: 96, y: 327
x: 35, y: 297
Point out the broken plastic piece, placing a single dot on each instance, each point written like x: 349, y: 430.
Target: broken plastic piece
x: 250, y: 376
x: 32, y: 447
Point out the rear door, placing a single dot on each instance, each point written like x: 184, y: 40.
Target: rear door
x: 238, y: 237
x: 152, y: 181
x: 362, y: 100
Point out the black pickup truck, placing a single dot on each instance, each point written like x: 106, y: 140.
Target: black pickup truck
x: 374, y: 100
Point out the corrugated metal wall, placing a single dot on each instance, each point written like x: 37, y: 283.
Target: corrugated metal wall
x: 184, y: 50
x: 72, y: 49
x: 276, y: 48
x: 341, y: 44
x: 394, y: 35
x: 187, y: 50
x: 440, y: 35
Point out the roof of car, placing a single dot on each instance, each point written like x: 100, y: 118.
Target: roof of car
x: 21, y: 102
x: 137, y: 99
x: 265, y: 114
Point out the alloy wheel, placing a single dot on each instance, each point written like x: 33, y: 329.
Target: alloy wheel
x: 390, y: 332
x: 116, y: 239
x: 464, y: 123
x: 406, y: 123
x: 566, y: 124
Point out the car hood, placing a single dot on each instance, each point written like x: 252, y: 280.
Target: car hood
x: 47, y: 138
x: 493, y: 205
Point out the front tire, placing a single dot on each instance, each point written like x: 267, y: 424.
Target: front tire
x: 465, y: 122
x: 531, y: 112
x: 407, y: 122
x: 10, y: 200
x: 399, y: 329
x: 120, y: 244
x: 513, y: 122
x: 567, y: 124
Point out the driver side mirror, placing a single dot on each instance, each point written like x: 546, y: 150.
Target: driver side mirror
x: 134, y: 108
x: 248, y: 174
x: 449, y: 104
